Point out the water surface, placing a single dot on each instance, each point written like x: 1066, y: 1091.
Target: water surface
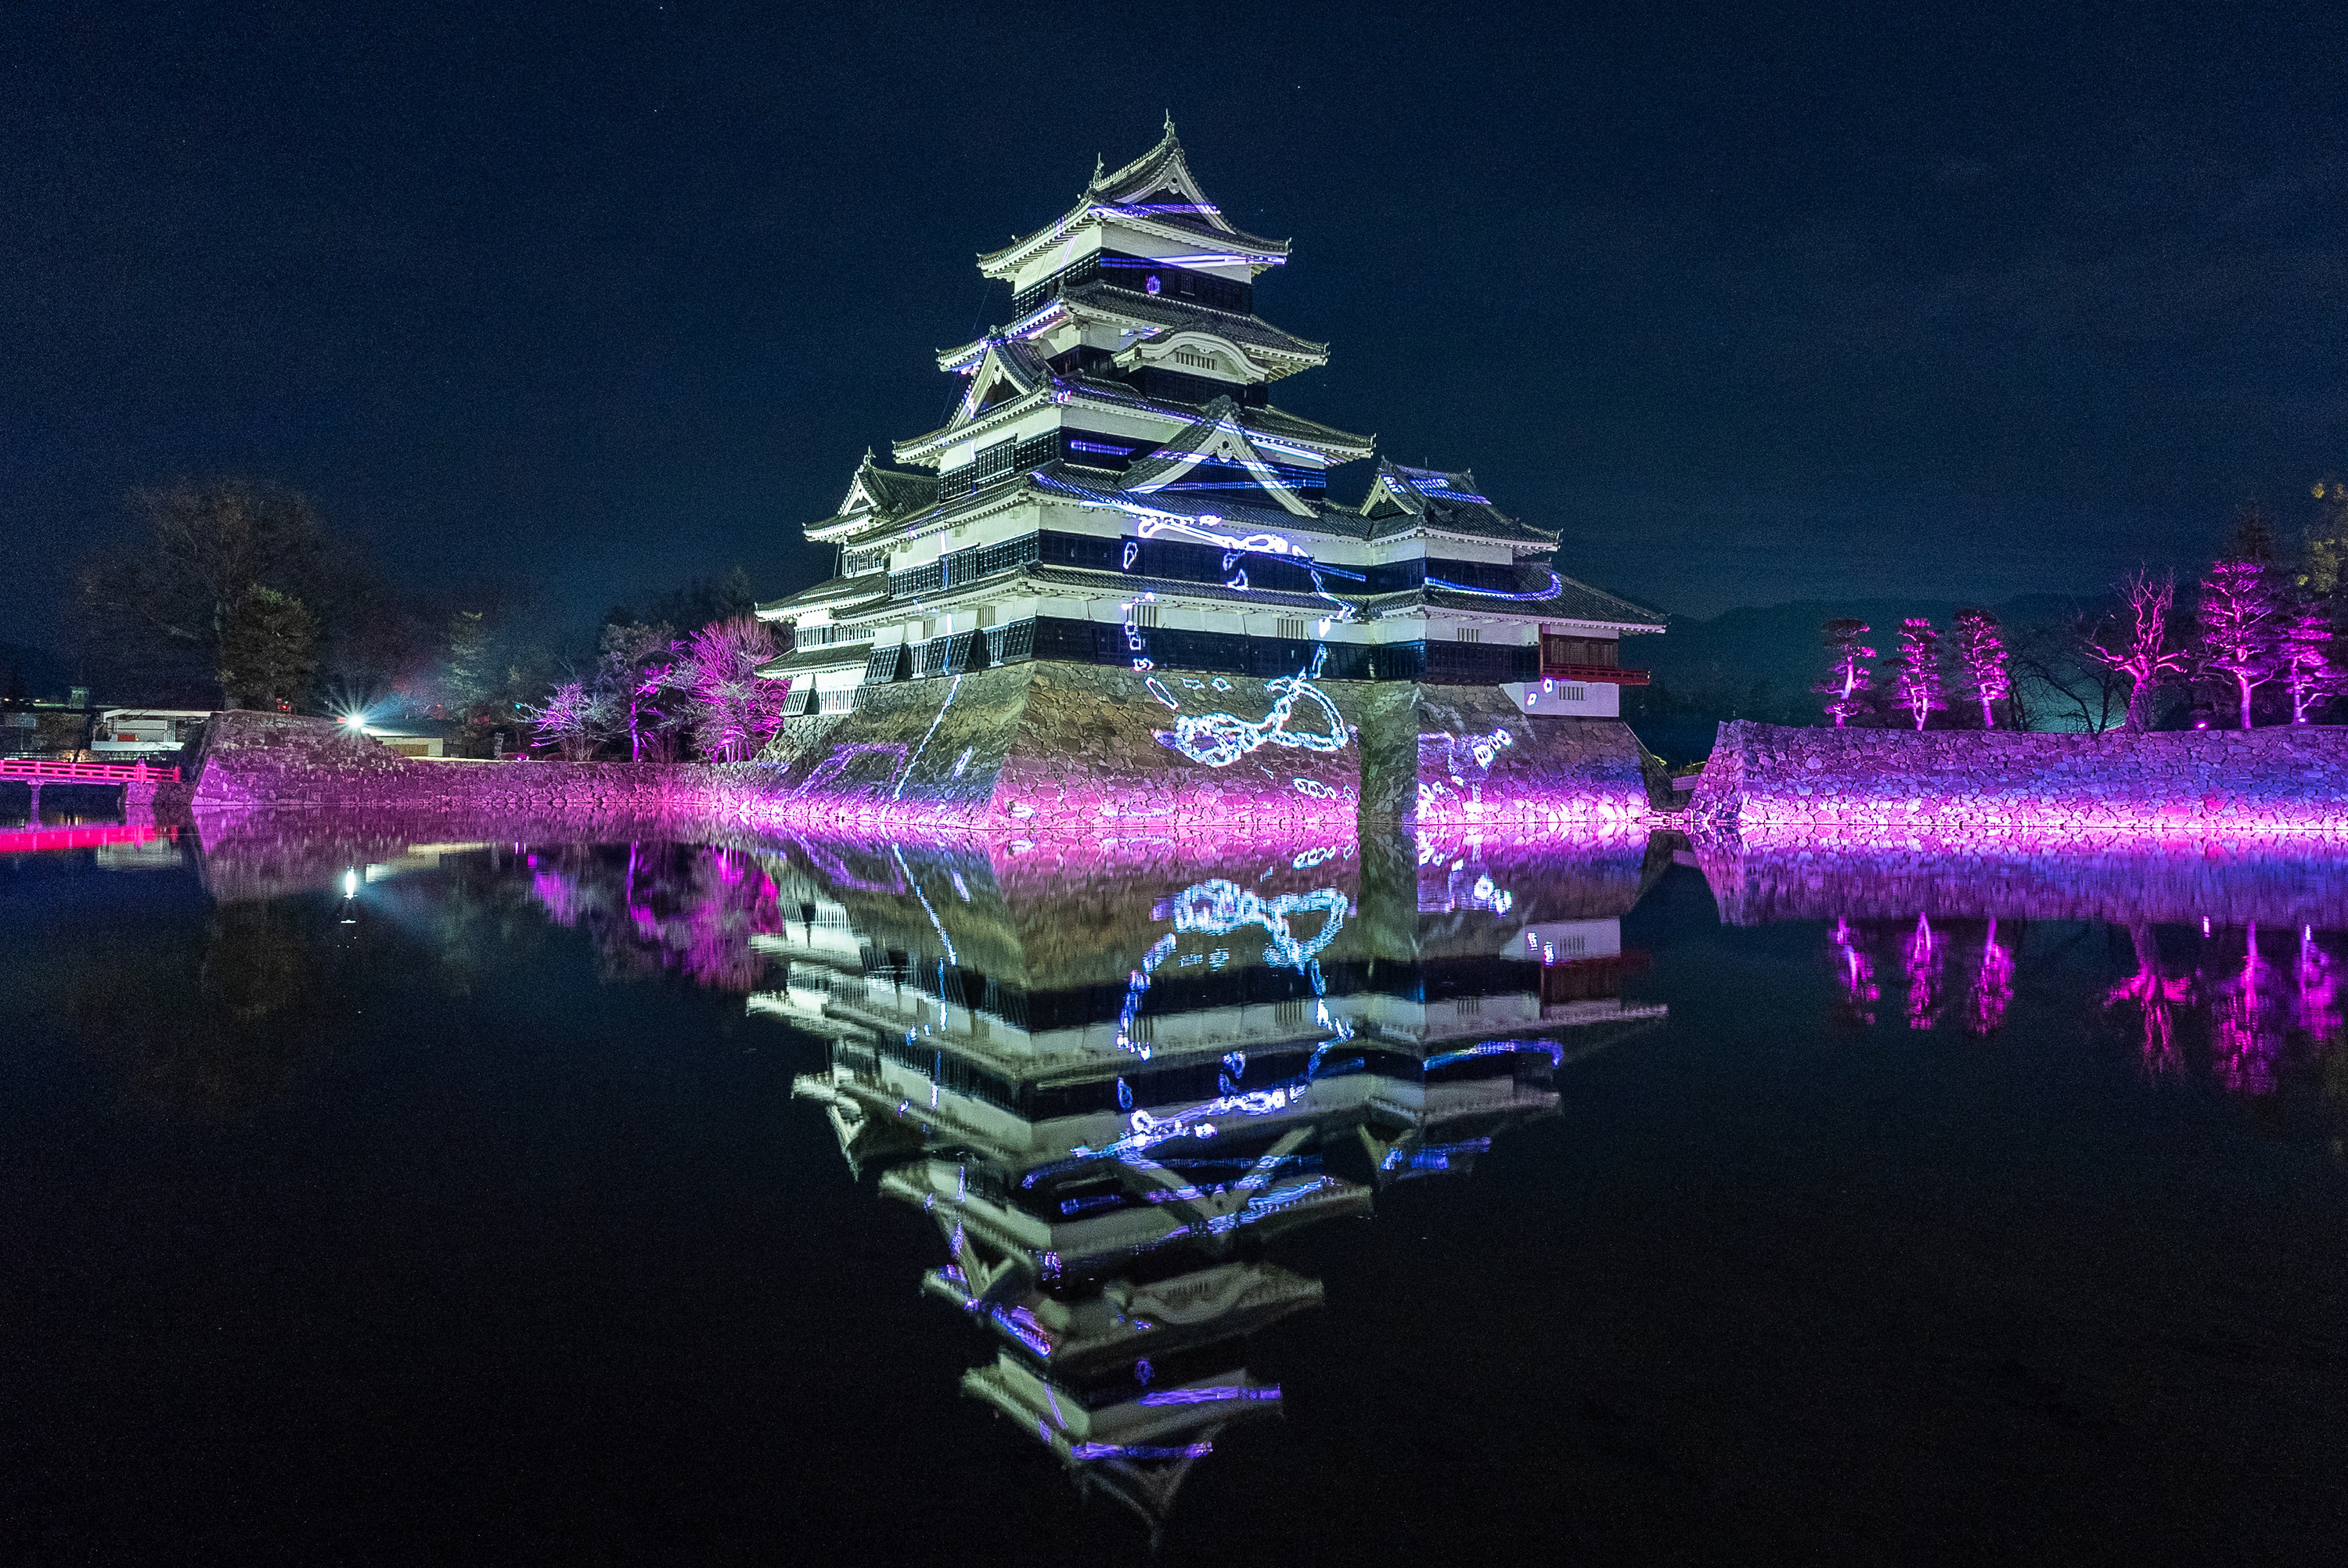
x: 372, y: 1198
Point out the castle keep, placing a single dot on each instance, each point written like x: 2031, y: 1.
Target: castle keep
x: 1115, y: 585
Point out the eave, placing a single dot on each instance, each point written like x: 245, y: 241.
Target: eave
x: 1248, y: 250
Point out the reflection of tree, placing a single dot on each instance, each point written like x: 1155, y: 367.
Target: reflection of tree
x: 2247, y: 1021
x: 654, y: 908
x: 1923, y: 964
x: 216, y: 1027
x: 1855, y: 971
x: 2156, y: 999
x: 1993, y: 989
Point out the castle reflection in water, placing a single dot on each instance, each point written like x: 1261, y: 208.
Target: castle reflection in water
x: 1110, y: 1077
x: 1110, y: 1092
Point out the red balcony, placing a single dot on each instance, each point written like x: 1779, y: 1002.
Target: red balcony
x: 1594, y: 675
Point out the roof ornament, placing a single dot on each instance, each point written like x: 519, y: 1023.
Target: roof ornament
x: 1099, y: 165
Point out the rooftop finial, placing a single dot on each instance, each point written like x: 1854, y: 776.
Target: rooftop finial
x: 1170, y: 124
x: 1099, y: 163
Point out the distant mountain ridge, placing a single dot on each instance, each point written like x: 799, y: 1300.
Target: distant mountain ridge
x: 1784, y: 643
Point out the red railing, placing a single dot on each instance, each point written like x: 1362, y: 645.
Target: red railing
x: 86, y: 773
x: 1594, y: 675
x: 83, y: 836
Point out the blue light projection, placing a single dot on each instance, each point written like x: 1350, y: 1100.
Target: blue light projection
x: 1556, y: 586
x: 1219, y: 739
x: 1138, y: 1451
x: 1207, y: 1396
x: 1218, y: 907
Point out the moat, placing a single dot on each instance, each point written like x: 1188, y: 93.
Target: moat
x: 377, y: 1196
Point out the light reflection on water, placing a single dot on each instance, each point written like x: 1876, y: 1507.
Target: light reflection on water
x: 1121, y: 1088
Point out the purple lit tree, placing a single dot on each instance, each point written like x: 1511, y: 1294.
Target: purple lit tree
x: 1981, y: 664
x: 735, y: 709
x: 1843, y: 687
x: 2138, y: 643
x: 2242, y: 626
x: 1916, y: 670
x: 573, y: 720
x: 639, y: 673
x: 2310, y: 672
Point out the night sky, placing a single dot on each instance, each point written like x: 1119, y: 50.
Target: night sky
x: 1755, y: 303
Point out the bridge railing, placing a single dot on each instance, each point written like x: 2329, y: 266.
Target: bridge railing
x: 87, y: 773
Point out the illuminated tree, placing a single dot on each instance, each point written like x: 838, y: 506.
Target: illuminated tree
x: 735, y: 710
x: 1981, y: 662
x: 639, y: 669
x: 2310, y: 672
x: 573, y: 720
x: 1916, y: 670
x: 2241, y: 626
x: 1842, y: 688
x: 2138, y: 643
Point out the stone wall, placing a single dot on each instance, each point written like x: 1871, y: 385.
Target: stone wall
x: 252, y: 762
x: 1896, y: 784
x: 1027, y: 750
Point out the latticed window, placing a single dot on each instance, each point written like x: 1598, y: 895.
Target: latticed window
x: 1296, y: 629
x: 1146, y: 615
x: 1467, y: 634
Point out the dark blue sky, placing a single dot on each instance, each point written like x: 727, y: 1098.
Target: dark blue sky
x: 1755, y: 303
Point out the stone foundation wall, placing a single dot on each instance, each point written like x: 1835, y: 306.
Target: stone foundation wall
x: 2289, y: 780
x: 248, y: 762
x: 1027, y: 750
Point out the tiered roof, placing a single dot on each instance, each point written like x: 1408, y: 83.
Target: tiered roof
x: 1155, y: 194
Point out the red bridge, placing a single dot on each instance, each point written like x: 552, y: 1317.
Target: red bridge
x: 137, y: 779
x: 43, y: 772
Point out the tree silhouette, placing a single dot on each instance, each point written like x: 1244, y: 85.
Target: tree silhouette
x: 267, y: 651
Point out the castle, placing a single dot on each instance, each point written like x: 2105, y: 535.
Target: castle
x: 1113, y: 585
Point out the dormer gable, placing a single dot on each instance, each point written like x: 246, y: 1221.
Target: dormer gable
x: 1005, y: 373
x: 1215, y: 460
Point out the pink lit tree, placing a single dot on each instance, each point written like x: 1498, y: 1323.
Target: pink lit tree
x: 1916, y: 670
x: 2310, y: 672
x: 2138, y: 643
x: 2242, y: 626
x: 1844, y: 685
x: 572, y: 721
x: 735, y: 709
x: 1981, y: 664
